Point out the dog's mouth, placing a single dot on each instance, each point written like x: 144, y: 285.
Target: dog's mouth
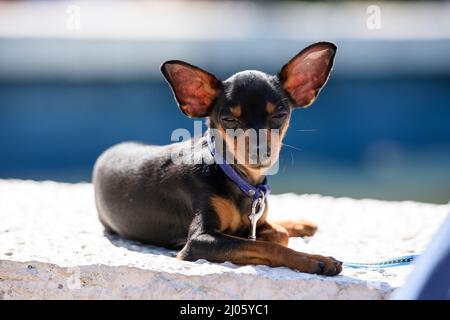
x: 260, y: 166
x: 252, y: 155
x: 263, y: 163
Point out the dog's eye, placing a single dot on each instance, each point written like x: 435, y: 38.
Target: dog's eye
x: 229, y: 119
x: 280, y: 115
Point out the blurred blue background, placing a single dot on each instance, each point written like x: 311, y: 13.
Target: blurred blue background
x: 69, y: 89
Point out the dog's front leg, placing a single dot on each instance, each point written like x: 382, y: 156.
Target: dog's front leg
x: 219, y: 247
x: 273, y: 232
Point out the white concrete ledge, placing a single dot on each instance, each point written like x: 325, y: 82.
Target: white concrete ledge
x: 53, y: 247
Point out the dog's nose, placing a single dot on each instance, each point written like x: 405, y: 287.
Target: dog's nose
x: 259, y: 154
x: 264, y: 151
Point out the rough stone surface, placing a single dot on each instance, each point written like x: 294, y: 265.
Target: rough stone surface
x: 53, y: 247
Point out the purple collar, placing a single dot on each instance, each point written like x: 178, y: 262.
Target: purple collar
x: 259, y: 191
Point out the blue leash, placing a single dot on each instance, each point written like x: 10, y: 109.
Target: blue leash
x: 393, y: 262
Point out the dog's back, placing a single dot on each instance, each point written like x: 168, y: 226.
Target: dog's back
x: 137, y: 194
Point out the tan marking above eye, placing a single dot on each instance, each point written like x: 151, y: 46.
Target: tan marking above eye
x: 236, y: 111
x: 270, y: 107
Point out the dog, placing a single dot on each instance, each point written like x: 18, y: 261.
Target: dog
x: 206, y: 210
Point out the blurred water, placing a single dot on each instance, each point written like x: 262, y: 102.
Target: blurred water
x: 381, y: 137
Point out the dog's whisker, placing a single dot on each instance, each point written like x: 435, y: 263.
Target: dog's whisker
x: 306, y: 130
x: 282, y: 160
x: 295, y: 148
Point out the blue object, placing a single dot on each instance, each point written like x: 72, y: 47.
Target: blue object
x: 430, y: 279
x: 261, y: 190
x: 393, y: 262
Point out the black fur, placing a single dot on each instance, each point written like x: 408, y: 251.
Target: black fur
x: 142, y: 195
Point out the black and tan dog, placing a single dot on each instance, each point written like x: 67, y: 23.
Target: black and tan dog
x: 141, y: 194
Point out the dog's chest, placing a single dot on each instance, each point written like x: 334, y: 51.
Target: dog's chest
x: 233, y: 217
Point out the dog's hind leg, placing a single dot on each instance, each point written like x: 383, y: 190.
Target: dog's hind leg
x: 298, y: 228
x: 273, y: 232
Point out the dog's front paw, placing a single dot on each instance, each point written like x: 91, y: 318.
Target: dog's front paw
x: 328, y: 266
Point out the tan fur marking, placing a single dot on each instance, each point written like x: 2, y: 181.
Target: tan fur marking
x: 270, y: 107
x: 284, y: 129
x: 229, y: 216
x: 300, y: 228
x: 236, y: 111
x: 273, y: 232
x: 254, y: 174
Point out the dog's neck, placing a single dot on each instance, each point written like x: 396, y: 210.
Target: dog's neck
x: 253, y: 176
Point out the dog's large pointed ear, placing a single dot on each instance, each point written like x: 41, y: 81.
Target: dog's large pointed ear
x: 305, y: 74
x: 195, y: 90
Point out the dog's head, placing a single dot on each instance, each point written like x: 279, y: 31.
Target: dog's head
x: 252, y: 100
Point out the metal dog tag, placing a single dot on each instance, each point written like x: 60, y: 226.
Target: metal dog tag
x: 258, y: 206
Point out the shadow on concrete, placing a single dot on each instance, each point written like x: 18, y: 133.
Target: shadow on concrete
x: 132, y: 245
